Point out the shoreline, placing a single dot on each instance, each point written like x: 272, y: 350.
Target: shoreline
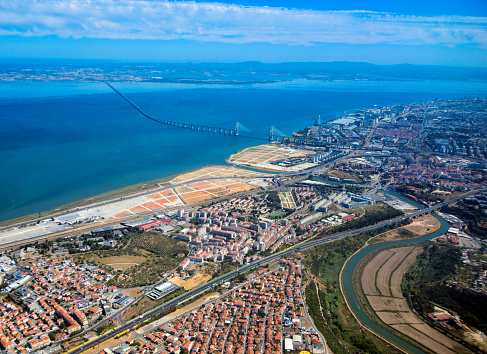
x: 111, y: 195
x: 130, y: 191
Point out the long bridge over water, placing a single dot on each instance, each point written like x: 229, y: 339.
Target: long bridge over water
x: 272, y: 136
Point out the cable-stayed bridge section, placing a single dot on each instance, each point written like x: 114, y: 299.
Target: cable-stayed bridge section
x: 199, y: 127
x: 273, y: 135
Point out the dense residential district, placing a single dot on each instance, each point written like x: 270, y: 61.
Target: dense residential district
x: 77, y: 274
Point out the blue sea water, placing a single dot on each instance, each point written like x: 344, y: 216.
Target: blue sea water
x: 61, y: 142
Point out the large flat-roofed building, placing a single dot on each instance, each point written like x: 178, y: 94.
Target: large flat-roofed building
x: 162, y: 290
x: 288, y: 344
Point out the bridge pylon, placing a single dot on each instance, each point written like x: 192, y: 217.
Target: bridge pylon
x: 236, y: 129
x: 271, y: 133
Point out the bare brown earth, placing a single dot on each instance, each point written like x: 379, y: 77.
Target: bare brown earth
x: 262, y: 156
x: 419, y: 227
x: 122, y: 262
x: 387, y: 303
x: 398, y: 317
x: 193, y: 282
x: 424, y: 225
x: 396, y: 278
x: 423, y: 339
x: 133, y: 293
x: 384, y: 273
x: 392, y: 309
x: 370, y: 272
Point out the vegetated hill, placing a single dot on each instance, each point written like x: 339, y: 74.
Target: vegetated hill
x: 250, y: 71
x: 472, y: 215
x: 428, y: 284
x: 161, y: 253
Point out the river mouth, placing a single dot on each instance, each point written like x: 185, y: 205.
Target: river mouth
x: 347, y: 280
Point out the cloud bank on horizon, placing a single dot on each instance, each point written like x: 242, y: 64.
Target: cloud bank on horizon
x: 227, y: 23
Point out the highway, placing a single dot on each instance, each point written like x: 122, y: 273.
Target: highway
x: 83, y: 228
x: 214, y: 282
x: 155, y: 190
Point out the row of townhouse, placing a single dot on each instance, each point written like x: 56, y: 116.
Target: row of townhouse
x: 18, y: 328
x: 249, y: 320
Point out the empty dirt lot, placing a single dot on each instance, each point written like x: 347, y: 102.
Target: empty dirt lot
x: 193, y: 282
x: 262, y: 156
x: 122, y: 262
x: 419, y: 227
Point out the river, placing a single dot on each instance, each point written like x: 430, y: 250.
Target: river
x: 352, y: 296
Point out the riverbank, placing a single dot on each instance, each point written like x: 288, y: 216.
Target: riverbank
x: 347, y: 286
x: 378, y: 286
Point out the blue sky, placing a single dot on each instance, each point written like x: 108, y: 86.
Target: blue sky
x: 381, y: 32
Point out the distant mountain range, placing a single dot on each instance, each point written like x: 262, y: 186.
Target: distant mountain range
x: 242, y: 72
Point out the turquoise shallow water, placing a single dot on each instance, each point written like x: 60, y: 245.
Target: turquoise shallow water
x: 61, y: 142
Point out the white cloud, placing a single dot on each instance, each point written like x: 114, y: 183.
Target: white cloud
x: 162, y: 20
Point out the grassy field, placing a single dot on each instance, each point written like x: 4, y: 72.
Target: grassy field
x: 140, y: 258
x: 325, y: 303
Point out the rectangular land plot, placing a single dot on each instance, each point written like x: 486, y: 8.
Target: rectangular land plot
x: 123, y: 213
x: 239, y: 187
x: 396, y: 278
x: 398, y: 317
x: 218, y: 191
x: 154, y: 196
x: 194, y: 197
x: 151, y: 205
x: 423, y: 339
x: 370, y: 271
x: 384, y: 303
x: 202, y: 185
x: 138, y: 209
x: 430, y: 332
x: 384, y: 273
